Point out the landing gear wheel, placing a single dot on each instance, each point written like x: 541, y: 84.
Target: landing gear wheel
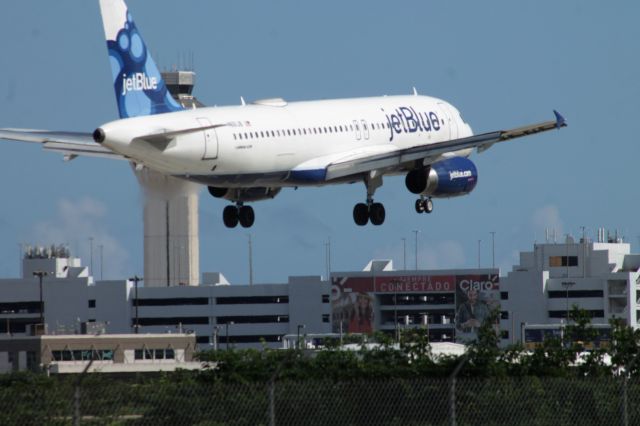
x: 428, y: 205
x: 230, y: 216
x: 246, y: 216
x: 377, y: 214
x: 361, y: 214
x: 420, y: 207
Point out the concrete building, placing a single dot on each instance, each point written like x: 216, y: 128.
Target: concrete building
x: 113, y: 353
x: 599, y: 276
x: 239, y: 316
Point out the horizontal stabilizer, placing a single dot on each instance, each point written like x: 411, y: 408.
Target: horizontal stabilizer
x: 71, y: 144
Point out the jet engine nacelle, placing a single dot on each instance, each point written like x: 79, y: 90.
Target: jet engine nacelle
x: 244, y: 194
x: 447, y: 178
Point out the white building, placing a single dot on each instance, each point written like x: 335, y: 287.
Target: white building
x: 601, y: 277
x: 244, y: 316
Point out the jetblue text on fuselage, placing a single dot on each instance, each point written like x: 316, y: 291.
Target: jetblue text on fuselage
x: 137, y: 82
x: 407, y: 120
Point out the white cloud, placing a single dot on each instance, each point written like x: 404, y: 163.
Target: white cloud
x: 74, y: 223
x: 441, y: 255
x: 438, y: 255
x: 547, y: 217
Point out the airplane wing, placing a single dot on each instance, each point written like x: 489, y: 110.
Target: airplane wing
x: 340, y: 167
x: 70, y: 144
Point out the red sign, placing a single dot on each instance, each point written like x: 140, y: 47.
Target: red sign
x: 397, y: 284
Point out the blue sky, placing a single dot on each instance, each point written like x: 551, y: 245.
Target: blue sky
x: 502, y: 63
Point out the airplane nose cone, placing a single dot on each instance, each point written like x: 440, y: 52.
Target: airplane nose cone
x: 98, y: 135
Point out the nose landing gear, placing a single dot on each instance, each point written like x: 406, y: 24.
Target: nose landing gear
x: 424, y: 205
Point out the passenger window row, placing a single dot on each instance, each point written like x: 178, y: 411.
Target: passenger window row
x: 263, y: 134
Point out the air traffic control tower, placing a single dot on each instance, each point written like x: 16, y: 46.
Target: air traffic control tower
x: 171, y: 243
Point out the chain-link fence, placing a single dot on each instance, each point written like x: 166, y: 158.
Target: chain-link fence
x: 526, y: 401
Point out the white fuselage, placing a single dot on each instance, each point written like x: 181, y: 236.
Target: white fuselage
x: 261, y: 143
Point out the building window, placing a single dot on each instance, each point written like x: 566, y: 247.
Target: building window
x: 325, y: 317
x: 250, y: 300
x: 559, y: 261
x: 175, y: 321
x: 253, y: 319
x: 175, y: 301
x: 504, y: 315
x: 504, y: 295
x: 82, y: 355
x: 92, y: 303
x: 562, y: 294
x: 256, y: 338
x: 594, y: 313
x: 147, y: 353
x: 325, y: 298
x: 504, y: 334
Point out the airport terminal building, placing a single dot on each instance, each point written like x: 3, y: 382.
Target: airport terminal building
x: 217, y: 313
x: 601, y: 277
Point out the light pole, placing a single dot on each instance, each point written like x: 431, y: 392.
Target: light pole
x: 227, y: 332
x: 216, y: 330
x: 300, y: 326
x: 250, y: 260
x: 395, y: 311
x: 493, y: 249
x: 40, y: 275
x: 101, y: 247
x: 479, y: 241
x: 136, y: 279
x: 415, y: 231
x: 404, y: 254
x: 91, y: 254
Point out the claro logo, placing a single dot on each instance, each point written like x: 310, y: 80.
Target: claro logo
x: 488, y: 285
x: 137, y: 82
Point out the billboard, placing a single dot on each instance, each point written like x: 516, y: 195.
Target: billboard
x: 476, y: 297
x: 353, y: 299
x: 352, y: 302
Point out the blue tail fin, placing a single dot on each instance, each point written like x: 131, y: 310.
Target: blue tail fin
x: 140, y: 89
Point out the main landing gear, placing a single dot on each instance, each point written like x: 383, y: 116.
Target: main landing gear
x: 424, y: 205
x: 363, y: 213
x: 374, y: 212
x: 232, y: 215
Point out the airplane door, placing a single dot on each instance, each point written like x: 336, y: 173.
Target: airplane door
x: 210, y: 140
x: 356, y: 126
x: 365, y: 129
x: 450, y: 122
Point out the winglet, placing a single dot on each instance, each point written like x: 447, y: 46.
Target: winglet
x: 560, y: 121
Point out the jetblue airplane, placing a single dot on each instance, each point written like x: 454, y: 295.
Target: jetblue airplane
x: 247, y: 153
